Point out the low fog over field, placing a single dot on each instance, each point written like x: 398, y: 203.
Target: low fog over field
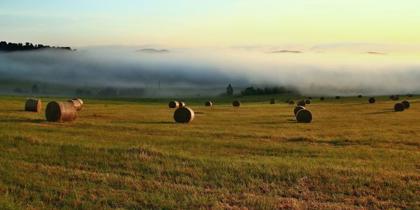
x: 311, y: 71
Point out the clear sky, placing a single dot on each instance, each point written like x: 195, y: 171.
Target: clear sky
x: 210, y: 23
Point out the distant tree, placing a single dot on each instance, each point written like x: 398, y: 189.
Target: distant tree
x: 35, y: 88
x: 229, y: 90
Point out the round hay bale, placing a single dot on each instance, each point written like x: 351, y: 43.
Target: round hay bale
x: 410, y: 95
x: 291, y: 102
x: 338, y: 97
x: 372, y: 100
x: 272, y: 101
x: 395, y: 97
x: 359, y: 96
x: 33, y: 105
x: 236, y: 103
x: 297, y: 109
x: 77, y: 103
x: 182, y: 104
x: 301, y: 103
x: 208, y: 103
x: 399, y: 107
x: 310, y: 98
x: 307, y: 101
x: 304, y: 116
x: 173, y: 104
x: 184, y: 115
x: 60, y: 112
x: 322, y: 98
x: 406, y: 104
x: 80, y: 100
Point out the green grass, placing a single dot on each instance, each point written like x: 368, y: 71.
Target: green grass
x: 129, y: 154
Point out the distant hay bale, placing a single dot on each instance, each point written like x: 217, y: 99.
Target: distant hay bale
x: 310, y: 98
x: 60, y: 112
x: 395, y: 97
x: 372, y: 100
x: 208, y: 103
x: 77, y: 103
x: 301, y: 103
x: 307, y: 101
x: 173, y: 104
x: 272, y: 101
x: 33, y: 105
x: 322, y: 98
x: 182, y: 104
x: 304, y: 116
x: 359, y: 96
x: 184, y: 115
x: 291, y: 102
x: 410, y: 95
x: 338, y: 97
x: 297, y: 109
x: 236, y: 103
x: 399, y: 107
x: 406, y: 104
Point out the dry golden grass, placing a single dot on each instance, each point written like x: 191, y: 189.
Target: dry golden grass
x: 130, y: 155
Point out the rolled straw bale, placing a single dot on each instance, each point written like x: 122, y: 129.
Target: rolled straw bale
x: 173, y: 104
x: 184, y: 115
x: 60, y: 112
x: 304, y: 116
x: 399, y: 107
x: 236, y: 103
x: 33, y: 105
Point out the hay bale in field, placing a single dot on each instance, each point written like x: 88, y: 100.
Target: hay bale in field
x: 395, y: 97
x: 182, y: 104
x: 406, y: 104
x: 372, y: 100
x: 272, y: 101
x: 359, y: 96
x: 60, y: 112
x: 291, y: 102
x: 297, y: 109
x: 310, y: 98
x: 322, y: 98
x: 173, y: 104
x: 307, y: 101
x: 33, y: 105
x: 77, y: 103
x: 208, y: 103
x: 236, y: 103
x: 410, y: 95
x: 399, y: 107
x: 301, y: 103
x: 338, y: 97
x: 184, y: 115
x: 304, y: 116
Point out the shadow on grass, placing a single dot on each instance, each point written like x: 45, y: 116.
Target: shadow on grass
x: 21, y: 120
x: 157, y: 123
x: 386, y: 111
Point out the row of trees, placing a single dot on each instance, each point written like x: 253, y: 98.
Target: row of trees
x: 259, y: 91
x: 11, y: 47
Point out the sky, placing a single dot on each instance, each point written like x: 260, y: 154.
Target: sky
x: 211, y: 23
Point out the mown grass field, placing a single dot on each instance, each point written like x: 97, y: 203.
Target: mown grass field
x: 130, y: 155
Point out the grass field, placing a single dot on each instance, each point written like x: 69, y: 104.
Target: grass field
x: 129, y: 154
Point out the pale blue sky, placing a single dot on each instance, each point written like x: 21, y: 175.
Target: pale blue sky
x: 209, y: 22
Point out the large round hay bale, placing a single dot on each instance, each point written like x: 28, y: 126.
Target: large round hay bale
x: 406, y: 104
x: 304, y: 116
x: 33, y: 105
x: 307, y: 101
x: 173, y: 104
x: 399, y: 107
x: 236, y: 103
x: 301, y: 103
x: 184, y: 115
x: 322, y: 98
x: 338, y: 97
x: 395, y: 97
x: 272, y: 101
x: 80, y: 100
x: 372, y: 100
x: 208, y: 103
x: 60, y: 112
x: 291, y: 102
x: 310, y: 98
x: 77, y: 103
x: 182, y: 104
x: 359, y: 96
x: 297, y: 109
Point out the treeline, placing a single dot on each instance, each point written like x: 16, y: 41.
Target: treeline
x: 12, y: 47
x: 266, y: 91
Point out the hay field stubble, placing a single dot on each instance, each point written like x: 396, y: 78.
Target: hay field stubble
x: 130, y: 155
